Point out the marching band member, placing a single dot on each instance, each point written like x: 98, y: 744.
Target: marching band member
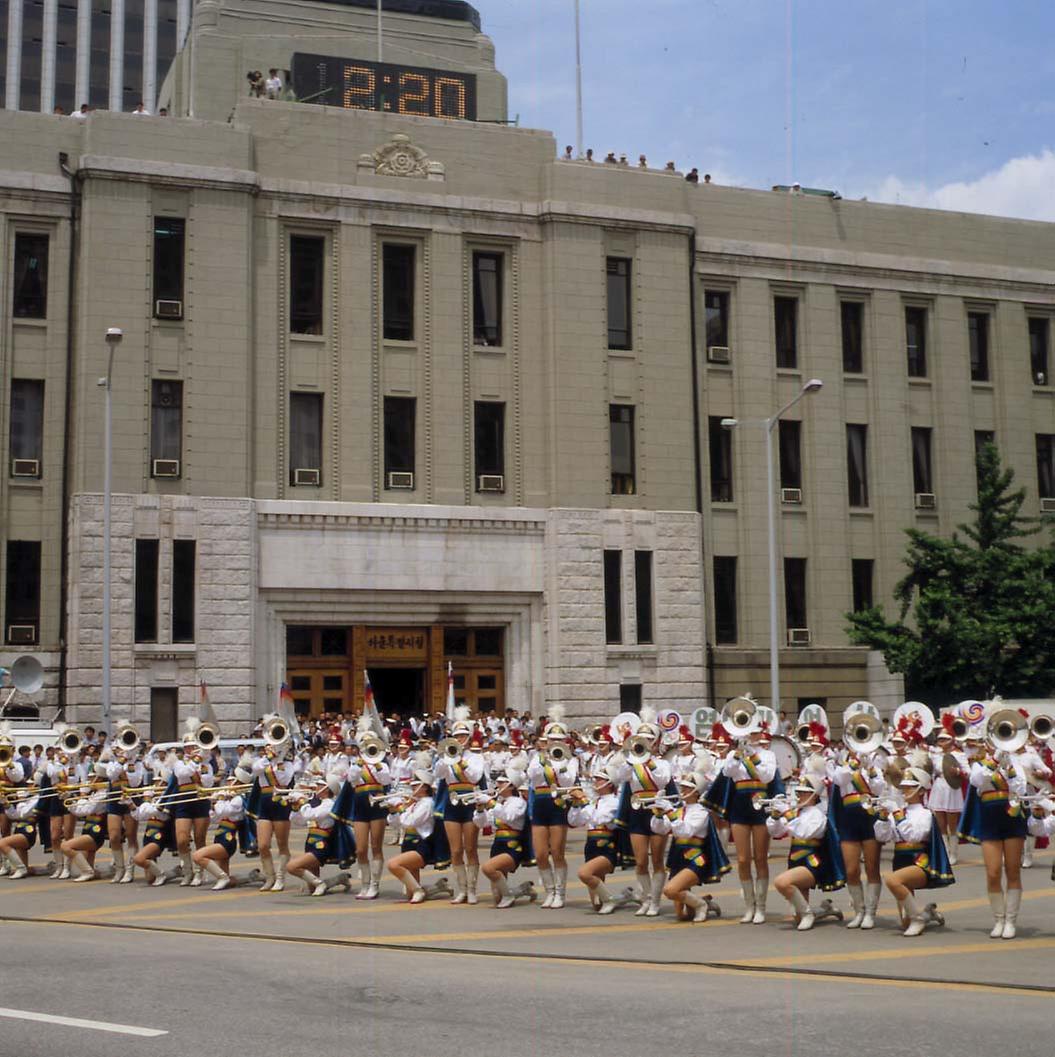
x: 815, y: 859
x: 553, y: 768
x: 53, y: 778
x: 507, y: 813
x: 920, y: 858
x: 369, y: 775
x: 122, y: 775
x: 228, y: 812
x: 696, y: 855
x: 855, y: 781
x: 190, y: 812
x: 417, y: 817
x: 275, y: 773
x: 750, y: 769
x: 1036, y: 765
x: 945, y: 800
x: 461, y: 775
x: 402, y: 767
x: 989, y: 818
x: 647, y: 775
x: 601, y: 852
x: 316, y: 812
x: 80, y: 851
x: 157, y: 833
x: 21, y: 813
x: 684, y: 761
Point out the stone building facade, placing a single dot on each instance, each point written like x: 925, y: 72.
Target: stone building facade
x: 419, y: 394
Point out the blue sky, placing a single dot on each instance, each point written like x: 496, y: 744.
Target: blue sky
x: 946, y: 103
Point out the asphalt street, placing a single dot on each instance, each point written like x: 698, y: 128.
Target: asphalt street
x: 284, y: 972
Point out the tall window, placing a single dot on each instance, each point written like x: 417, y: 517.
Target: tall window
x: 795, y: 592
x: 169, y: 236
x: 790, y: 444
x: 27, y: 427
x: 166, y: 425
x: 861, y: 574
x: 398, y: 292
x: 643, y: 594
x: 399, y: 435
x: 916, y: 341
x: 1046, y: 465
x: 146, y: 591
x: 487, y: 298
x: 305, y: 438
x: 982, y: 437
x: 30, y: 279
x: 621, y: 445
x: 922, y: 475
x: 978, y: 341
x: 630, y: 698
x: 1038, y: 350
x: 721, y: 449
x: 489, y: 424
x: 725, y: 618
x: 183, y: 589
x: 305, y: 283
x: 620, y: 335
x: 22, y: 609
x: 716, y: 314
x: 785, y: 315
x: 852, y: 313
x: 613, y: 596
x: 857, y: 464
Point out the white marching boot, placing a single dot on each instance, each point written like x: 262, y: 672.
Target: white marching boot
x: 86, y: 871
x: 857, y: 900
x: 214, y: 870
x: 644, y: 883
x: 802, y: 910
x: 748, y: 888
x: 1027, y: 853
x: 267, y: 868
x: 415, y: 893
x: 130, y: 873
x: 761, y: 891
x: 954, y: 849
x: 364, y: 880
x: 996, y: 901
x: 377, y: 868
x: 605, y: 903
x: 155, y: 875
x: 500, y: 891
x: 442, y: 887
x: 119, y: 864
x: 57, y: 861
x: 560, y: 886
x: 655, y: 894
x: 917, y: 921
x: 1011, y: 905
x: 186, y: 869
x: 549, y: 884
x: 16, y: 869
x: 461, y: 882
x: 473, y: 879
x: 872, y: 894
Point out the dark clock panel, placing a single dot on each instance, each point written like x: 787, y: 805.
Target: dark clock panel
x: 356, y: 84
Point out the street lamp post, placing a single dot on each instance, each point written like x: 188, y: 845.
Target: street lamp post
x: 812, y: 386
x: 113, y: 339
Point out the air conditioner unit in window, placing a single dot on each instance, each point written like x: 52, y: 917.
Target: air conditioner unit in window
x: 1047, y: 504
x: 168, y: 309
x: 400, y: 479
x: 491, y: 482
x: 791, y: 495
x: 305, y: 476
x: 719, y: 354
x: 798, y: 636
x: 1040, y: 378
x: 926, y: 501
x: 22, y: 634
x: 25, y: 467
x: 165, y: 468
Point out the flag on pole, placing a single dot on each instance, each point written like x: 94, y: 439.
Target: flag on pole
x: 370, y: 708
x: 368, y: 692
x: 203, y: 692
x: 450, y: 692
x: 284, y: 693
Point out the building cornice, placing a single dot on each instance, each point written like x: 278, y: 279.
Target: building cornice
x: 141, y: 170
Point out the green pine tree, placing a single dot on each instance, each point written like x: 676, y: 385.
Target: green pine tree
x: 982, y: 605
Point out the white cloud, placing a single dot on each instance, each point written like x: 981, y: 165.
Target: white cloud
x: 1021, y: 187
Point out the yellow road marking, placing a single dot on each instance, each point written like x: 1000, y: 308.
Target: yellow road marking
x: 637, y: 967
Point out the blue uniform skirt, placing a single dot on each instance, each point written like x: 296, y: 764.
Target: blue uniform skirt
x: 364, y: 811
x: 24, y: 828
x: 226, y: 836
x: 93, y: 827
x: 544, y: 812
x: 823, y: 858
x: 270, y: 811
x: 705, y: 857
x: 930, y: 857
x: 423, y: 846
x: 159, y: 833
x: 513, y: 846
x: 602, y: 846
x: 51, y: 806
x: 983, y: 819
x: 112, y: 806
x: 854, y: 823
x: 319, y: 843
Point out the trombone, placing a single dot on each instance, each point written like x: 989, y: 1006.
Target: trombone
x: 185, y: 796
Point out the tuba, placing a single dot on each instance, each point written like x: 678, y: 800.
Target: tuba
x: 1042, y: 727
x: 960, y: 727
x: 7, y: 752
x: 741, y: 717
x: 276, y: 731
x: 450, y: 749
x: 639, y: 747
x: 127, y: 738
x: 372, y: 748
x: 71, y: 740
x: 207, y: 735
x: 559, y: 752
x: 1007, y: 730
x: 863, y: 734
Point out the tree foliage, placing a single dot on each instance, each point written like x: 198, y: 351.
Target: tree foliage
x: 981, y: 606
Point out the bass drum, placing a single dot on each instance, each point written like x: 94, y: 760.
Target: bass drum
x: 788, y: 754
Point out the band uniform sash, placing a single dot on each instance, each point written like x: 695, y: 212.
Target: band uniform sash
x: 644, y: 779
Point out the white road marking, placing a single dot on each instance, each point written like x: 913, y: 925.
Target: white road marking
x: 75, y: 1022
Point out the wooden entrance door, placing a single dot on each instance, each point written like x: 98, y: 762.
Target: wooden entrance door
x: 318, y: 690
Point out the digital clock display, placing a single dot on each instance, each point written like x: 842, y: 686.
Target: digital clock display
x: 356, y: 84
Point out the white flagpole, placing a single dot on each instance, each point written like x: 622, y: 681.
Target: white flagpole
x: 379, y: 59
x: 578, y: 85
x: 450, y: 692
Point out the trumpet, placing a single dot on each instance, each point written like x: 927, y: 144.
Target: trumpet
x: 198, y: 792
x: 880, y: 805
x: 647, y: 801
x: 1027, y: 798
x: 474, y: 796
x: 775, y: 805
x: 398, y: 793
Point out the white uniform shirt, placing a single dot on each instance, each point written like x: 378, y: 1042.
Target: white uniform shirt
x: 657, y: 768
x: 913, y: 828
x: 472, y: 765
x: 690, y: 822
x: 232, y: 808
x: 380, y: 773
x: 981, y: 777
x: 512, y: 811
x: 765, y: 766
x: 418, y: 817
x: 809, y: 824
x: 319, y: 815
x: 600, y: 813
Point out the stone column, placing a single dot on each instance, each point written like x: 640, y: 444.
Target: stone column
x: 117, y: 54
x: 14, y: 55
x: 47, y: 56
x: 150, y: 53
x: 82, y: 74
x: 182, y: 22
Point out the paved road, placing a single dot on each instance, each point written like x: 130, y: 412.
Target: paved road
x: 278, y: 972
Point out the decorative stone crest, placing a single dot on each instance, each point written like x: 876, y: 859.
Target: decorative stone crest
x: 400, y: 157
